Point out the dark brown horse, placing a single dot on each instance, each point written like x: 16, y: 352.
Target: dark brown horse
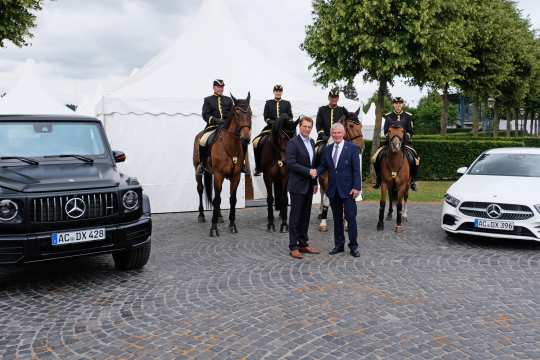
x: 353, y: 133
x: 395, y: 177
x: 273, y: 149
x: 225, y: 162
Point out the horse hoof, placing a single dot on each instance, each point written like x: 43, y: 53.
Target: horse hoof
x: 233, y: 229
x: 284, y: 228
x: 214, y: 232
x: 320, y: 217
x: 271, y: 228
x: 201, y: 219
x: 399, y: 229
x: 380, y: 227
x: 405, y: 219
x: 323, y: 228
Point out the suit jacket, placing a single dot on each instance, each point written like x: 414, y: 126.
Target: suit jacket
x: 347, y: 175
x: 299, y: 165
x: 216, y: 109
x: 271, y: 109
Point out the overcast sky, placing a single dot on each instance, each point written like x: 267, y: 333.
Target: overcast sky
x: 79, y: 43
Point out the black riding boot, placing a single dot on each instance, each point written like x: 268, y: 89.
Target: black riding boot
x: 203, y: 155
x: 414, y: 171
x: 257, y: 155
x: 377, y: 167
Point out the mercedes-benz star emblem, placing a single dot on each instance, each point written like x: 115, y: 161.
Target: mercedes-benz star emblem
x: 494, y: 211
x: 75, y: 208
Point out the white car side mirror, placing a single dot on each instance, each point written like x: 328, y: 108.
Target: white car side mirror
x: 462, y: 170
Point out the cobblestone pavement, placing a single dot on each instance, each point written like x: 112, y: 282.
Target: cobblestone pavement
x: 414, y: 295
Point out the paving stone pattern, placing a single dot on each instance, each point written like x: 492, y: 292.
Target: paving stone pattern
x: 418, y: 295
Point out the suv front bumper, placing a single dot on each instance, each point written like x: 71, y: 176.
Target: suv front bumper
x: 28, y: 248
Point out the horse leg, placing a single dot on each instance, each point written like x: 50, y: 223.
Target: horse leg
x: 200, y: 190
x: 390, y: 204
x: 399, y: 211
x: 269, y: 203
x: 323, y: 226
x: 382, y: 205
x: 218, y: 183
x: 283, y: 211
x: 405, y: 216
x: 232, y: 212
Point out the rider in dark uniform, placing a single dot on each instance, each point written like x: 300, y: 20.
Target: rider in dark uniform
x: 403, y: 119
x: 327, y: 115
x: 273, y: 109
x: 216, y: 109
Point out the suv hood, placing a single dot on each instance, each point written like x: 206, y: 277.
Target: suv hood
x: 57, y: 177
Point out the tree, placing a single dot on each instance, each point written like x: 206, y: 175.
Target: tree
x: 376, y: 39
x: 17, y: 17
x: 428, y: 112
x: 387, y: 107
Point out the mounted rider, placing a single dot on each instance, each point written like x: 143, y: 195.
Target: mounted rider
x: 403, y: 119
x: 273, y: 109
x: 326, y: 117
x: 216, y: 109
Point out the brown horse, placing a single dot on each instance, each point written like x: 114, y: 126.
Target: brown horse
x: 273, y: 149
x: 225, y: 162
x: 353, y: 133
x: 395, y: 176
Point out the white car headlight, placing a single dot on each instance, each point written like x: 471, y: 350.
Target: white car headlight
x: 450, y: 200
x: 8, y: 210
x: 130, y: 200
x: 537, y: 207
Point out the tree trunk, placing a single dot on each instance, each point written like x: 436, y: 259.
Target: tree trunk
x: 495, y: 122
x: 508, y: 122
x: 444, y: 112
x: 525, y: 122
x: 476, y: 116
x: 516, y: 128
x: 379, y: 108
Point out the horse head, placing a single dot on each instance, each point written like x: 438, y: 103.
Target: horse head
x: 353, y: 128
x: 240, y: 118
x: 396, y: 134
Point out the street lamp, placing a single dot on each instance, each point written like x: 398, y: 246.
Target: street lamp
x: 491, y: 102
x: 522, y: 114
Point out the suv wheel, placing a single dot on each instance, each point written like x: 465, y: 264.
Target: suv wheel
x: 134, y: 258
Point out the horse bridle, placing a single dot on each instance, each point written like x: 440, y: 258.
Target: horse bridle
x: 245, y: 111
x: 395, y: 173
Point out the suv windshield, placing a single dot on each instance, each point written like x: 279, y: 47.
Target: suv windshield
x: 39, y: 139
x: 507, y: 165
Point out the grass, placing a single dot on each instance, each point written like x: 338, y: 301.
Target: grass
x: 428, y: 191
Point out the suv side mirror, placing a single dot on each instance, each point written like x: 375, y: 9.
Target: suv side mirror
x: 119, y: 156
x: 462, y: 170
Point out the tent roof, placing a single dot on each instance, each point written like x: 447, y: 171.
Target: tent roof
x: 28, y: 97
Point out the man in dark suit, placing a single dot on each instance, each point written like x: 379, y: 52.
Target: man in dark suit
x: 341, y: 160
x: 301, y: 186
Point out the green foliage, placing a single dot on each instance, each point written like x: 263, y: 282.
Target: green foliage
x: 428, y: 113
x: 17, y: 17
x: 439, y: 159
x: 373, y: 99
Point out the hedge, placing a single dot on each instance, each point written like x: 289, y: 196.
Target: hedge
x: 441, y: 158
x: 529, y: 141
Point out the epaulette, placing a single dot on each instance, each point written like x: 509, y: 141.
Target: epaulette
x: 387, y: 113
x: 408, y: 113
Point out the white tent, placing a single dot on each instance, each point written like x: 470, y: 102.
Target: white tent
x: 155, y: 116
x: 27, y: 96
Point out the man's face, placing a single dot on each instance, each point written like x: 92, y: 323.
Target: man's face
x: 337, y: 134
x: 305, y: 128
x: 277, y: 94
x: 332, y: 101
x: 398, y: 107
x: 218, y: 90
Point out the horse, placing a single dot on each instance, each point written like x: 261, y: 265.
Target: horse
x: 353, y: 133
x: 273, y: 149
x: 395, y: 176
x: 225, y: 161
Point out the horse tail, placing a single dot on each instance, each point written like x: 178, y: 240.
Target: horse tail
x: 208, y: 182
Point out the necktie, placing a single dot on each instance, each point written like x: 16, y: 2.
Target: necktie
x: 334, y: 156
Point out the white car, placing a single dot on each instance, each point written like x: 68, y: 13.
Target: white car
x: 497, y: 196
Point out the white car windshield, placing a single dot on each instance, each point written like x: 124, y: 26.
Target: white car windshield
x: 507, y: 165
x: 40, y: 139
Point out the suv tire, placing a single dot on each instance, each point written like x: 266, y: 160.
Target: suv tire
x: 134, y: 258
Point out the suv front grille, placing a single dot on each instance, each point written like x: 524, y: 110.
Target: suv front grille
x: 509, y: 211
x: 52, y: 209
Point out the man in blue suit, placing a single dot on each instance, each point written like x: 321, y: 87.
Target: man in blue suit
x: 342, y: 161
x: 301, y: 186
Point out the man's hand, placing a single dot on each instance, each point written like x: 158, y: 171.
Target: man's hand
x: 315, y: 189
x: 354, y: 193
x: 313, y: 173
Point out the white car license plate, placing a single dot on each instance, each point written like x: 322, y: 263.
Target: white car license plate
x: 495, y: 225
x: 78, y: 236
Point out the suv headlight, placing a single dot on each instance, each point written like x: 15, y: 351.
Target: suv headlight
x: 130, y: 200
x: 8, y: 210
x: 450, y: 200
x: 537, y: 207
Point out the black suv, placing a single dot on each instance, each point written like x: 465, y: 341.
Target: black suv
x: 61, y: 194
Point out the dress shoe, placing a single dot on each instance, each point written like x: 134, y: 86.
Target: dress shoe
x: 335, y: 251
x: 309, y: 250
x: 296, y: 254
x: 355, y: 253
